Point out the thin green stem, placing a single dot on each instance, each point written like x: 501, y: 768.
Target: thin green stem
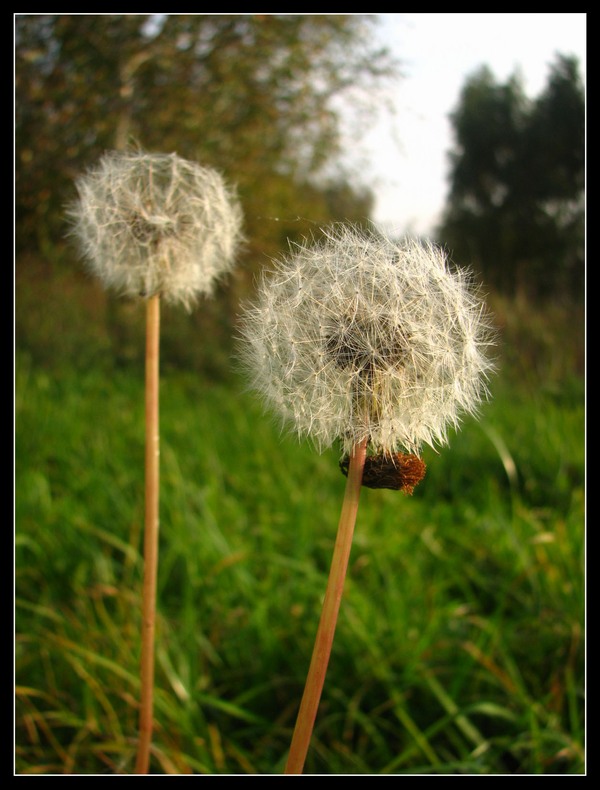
x: 151, y: 528
x: 331, y: 605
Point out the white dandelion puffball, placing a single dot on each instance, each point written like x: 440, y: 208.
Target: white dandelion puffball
x: 156, y: 224
x: 362, y: 337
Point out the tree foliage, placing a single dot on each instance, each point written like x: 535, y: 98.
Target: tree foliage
x: 255, y: 96
x: 248, y: 94
x: 516, y: 202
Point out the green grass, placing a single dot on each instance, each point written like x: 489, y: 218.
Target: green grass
x: 460, y: 644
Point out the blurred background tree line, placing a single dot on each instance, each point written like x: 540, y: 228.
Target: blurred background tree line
x: 257, y: 97
x: 516, y: 203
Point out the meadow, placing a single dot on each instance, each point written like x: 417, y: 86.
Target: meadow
x: 460, y: 646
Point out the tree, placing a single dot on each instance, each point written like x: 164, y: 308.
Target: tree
x: 248, y: 94
x: 516, y: 201
x: 251, y: 95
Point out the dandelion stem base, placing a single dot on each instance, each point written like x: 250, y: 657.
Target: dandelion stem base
x: 331, y: 605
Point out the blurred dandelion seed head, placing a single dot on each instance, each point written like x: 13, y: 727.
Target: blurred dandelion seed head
x: 156, y: 224
x: 359, y: 336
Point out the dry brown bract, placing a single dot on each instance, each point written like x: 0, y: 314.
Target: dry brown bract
x: 399, y: 472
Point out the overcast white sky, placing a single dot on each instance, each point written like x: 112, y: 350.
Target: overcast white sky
x: 408, y: 153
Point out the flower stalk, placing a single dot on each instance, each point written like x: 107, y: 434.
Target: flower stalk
x: 331, y: 605
x: 151, y: 531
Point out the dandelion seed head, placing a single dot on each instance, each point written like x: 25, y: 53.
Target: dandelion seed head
x: 156, y: 224
x: 358, y: 336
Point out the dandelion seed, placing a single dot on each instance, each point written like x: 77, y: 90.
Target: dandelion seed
x: 156, y: 224
x: 384, y: 341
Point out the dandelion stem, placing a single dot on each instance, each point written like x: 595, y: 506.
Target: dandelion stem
x: 150, y: 534
x: 331, y: 605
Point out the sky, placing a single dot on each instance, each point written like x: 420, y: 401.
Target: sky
x: 406, y: 153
